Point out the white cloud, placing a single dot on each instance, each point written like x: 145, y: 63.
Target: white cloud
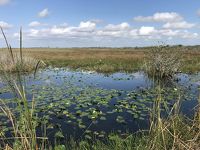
x: 160, y: 17
x: 34, y: 24
x: 178, y: 25
x: 89, y: 30
x: 188, y: 35
x: 44, y: 13
x: 5, y: 25
x: 34, y: 33
x: 84, y: 29
x: 88, y: 25
x: 145, y: 31
x: 111, y: 30
x: 122, y: 26
x: 169, y: 32
x: 134, y: 33
x: 4, y: 2
x: 106, y: 33
x: 184, y: 34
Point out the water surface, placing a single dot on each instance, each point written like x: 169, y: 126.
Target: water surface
x: 83, y: 104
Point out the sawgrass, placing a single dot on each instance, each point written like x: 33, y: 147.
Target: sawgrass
x: 108, y: 60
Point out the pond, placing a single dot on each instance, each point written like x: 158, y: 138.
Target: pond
x: 84, y: 104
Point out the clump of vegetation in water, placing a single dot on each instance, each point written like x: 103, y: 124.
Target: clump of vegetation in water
x: 163, y: 61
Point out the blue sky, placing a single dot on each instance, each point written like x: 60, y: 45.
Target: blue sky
x: 94, y: 23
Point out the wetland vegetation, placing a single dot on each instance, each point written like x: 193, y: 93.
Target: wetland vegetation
x: 100, y: 98
x: 108, y: 60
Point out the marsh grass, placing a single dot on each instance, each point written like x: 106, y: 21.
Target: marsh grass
x: 112, y: 59
x: 7, y: 64
x: 15, y: 61
x: 24, y: 121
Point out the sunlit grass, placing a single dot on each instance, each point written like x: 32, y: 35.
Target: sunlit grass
x: 107, y: 59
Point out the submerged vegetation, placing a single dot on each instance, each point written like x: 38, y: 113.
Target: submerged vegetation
x: 45, y: 108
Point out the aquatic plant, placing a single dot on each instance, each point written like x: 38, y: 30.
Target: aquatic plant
x: 173, y: 132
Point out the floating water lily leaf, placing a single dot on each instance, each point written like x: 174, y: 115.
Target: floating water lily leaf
x: 82, y: 126
x: 59, y: 134
x: 102, y: 118
x: 120, y: 119
x: 88, y: 136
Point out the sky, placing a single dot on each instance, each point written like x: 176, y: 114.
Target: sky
x: 100, y: 23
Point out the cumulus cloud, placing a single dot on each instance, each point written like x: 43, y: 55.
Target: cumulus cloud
x: 89, y: 30
x: 4, y: 2
x: 111, y: 30
x: 188, y: 35
x: 122, y: 26
x: 87, y: 26
x: 169, y: 32
x: 5, y: 25
x: 178, y: 25
x: 184, y: 34
x: 160, y: 17
x: 145, y: 31
x: 84, y: 29
x: 44, y: 13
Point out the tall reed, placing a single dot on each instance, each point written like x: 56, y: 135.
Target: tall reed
x: 24, y: 121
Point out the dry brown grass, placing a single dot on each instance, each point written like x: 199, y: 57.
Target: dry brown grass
x: 7, y: 63
x: 106, y: 59
x: 75, y: 54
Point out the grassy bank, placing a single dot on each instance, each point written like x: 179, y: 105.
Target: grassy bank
x: 107, y: 60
